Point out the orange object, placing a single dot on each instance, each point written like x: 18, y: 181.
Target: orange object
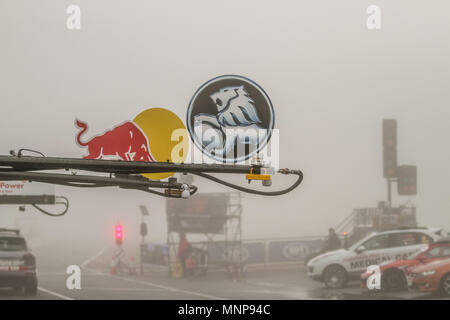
x: 257, y: 176
x: 190, y: 263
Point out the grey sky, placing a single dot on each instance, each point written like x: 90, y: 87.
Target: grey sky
x: 330, y: 79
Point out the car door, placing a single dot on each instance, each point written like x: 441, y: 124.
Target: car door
x: 405, y: 244
x: 373, y: 251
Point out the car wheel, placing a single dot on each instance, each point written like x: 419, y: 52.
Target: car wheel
x: 445, y: 285
x: 31, y: 290
x: 334, y: 277
x: 392, y: 280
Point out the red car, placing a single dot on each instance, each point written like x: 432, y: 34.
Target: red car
x: 393, y: 274
x: 432, y: 277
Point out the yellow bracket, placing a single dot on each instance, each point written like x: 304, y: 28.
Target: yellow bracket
x: 254, y: 176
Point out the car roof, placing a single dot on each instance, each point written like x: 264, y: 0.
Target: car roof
x: 406, y: 230
x: 9, y: 232
x: 428, y: 231
x: 13, y: 233
x: 9, y: 235
x: 440, y: 242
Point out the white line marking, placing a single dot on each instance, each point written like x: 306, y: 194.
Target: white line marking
x: 122, y: 289
x: 150, y: 284
x: 43, y: 273
x: 55, y: 294
x: 85, y: 263
x: 145, y: 283
x: 266, y: 284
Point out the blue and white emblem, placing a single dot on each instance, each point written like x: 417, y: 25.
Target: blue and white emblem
x: 230, y: 118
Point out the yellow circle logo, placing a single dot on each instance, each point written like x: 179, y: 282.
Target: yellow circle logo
x: 168, y: 139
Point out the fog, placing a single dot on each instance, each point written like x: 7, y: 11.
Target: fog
x: 331, y: 81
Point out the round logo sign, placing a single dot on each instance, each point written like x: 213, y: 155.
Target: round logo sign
x: 236, y: 254
x: 295, y: 251
x: 230, y: 118
x: 161, y: 126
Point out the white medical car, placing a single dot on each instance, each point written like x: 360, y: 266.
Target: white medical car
x: 336, y: 267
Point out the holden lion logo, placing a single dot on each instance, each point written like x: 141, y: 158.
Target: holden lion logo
x: 230, y: 118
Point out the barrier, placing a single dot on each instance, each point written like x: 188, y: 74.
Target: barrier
x: 292, y: 250
x: 252, y: 252
x: 295, y: 250
x: 154, y: 253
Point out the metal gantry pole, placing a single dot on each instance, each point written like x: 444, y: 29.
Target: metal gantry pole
x: 389, y: 195
x: 11, y: 163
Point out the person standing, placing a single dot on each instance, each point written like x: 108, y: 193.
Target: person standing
x: 334, y: 242
x: 183, y: 252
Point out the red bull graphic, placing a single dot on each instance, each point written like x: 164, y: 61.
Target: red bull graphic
x: 126, y: 141
x: 155, y: 134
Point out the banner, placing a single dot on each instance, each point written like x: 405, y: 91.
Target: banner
x: 251, y: 252
x: 24, y: 192
x: 292, y: 250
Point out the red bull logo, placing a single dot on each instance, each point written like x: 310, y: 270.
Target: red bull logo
x: 125, y: 141
x: 156, y: 134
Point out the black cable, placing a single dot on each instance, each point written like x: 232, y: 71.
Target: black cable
x: 192, y: 191
x: 252, y: 191
x: 53, y: 214
x: 19, y: 153
x: 162, y: 194
x: 79, y: 185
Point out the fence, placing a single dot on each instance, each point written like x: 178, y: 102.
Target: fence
x: 253, y: 252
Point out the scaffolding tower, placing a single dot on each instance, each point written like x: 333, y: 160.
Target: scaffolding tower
x: 223, y: 247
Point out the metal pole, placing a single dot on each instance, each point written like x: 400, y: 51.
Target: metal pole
x: 142, y: 221
x: 10, y: 163
x: 141, y: 267
x: 389, y: 182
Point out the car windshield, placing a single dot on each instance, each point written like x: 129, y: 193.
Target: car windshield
x: 12, y: 244
x: 415, y: 255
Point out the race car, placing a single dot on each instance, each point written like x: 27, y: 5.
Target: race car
x: 432, y: 277
x: 394, y: 274
x: 335, y: 268
x: 17, y: 264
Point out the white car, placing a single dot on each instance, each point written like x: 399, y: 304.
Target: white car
x: 336, y: 267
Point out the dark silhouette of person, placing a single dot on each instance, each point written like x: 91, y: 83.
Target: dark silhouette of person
x: 334, y: 242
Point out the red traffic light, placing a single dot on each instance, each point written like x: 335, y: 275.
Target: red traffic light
x: 119, y: 234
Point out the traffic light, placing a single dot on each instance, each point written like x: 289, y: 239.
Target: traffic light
x: 407, y: 180
x: 119, y: 234
x: 389, y: 148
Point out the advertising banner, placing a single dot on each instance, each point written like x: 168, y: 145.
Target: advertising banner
x: 292, y: 250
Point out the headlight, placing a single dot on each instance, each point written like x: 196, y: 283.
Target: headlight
x: 427, y: 273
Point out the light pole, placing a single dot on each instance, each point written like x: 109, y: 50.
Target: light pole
x: 143, y: 231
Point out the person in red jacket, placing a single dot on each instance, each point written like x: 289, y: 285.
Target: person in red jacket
x: 183, y: 251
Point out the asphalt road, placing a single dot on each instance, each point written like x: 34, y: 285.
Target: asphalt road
x: 281, y: 283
